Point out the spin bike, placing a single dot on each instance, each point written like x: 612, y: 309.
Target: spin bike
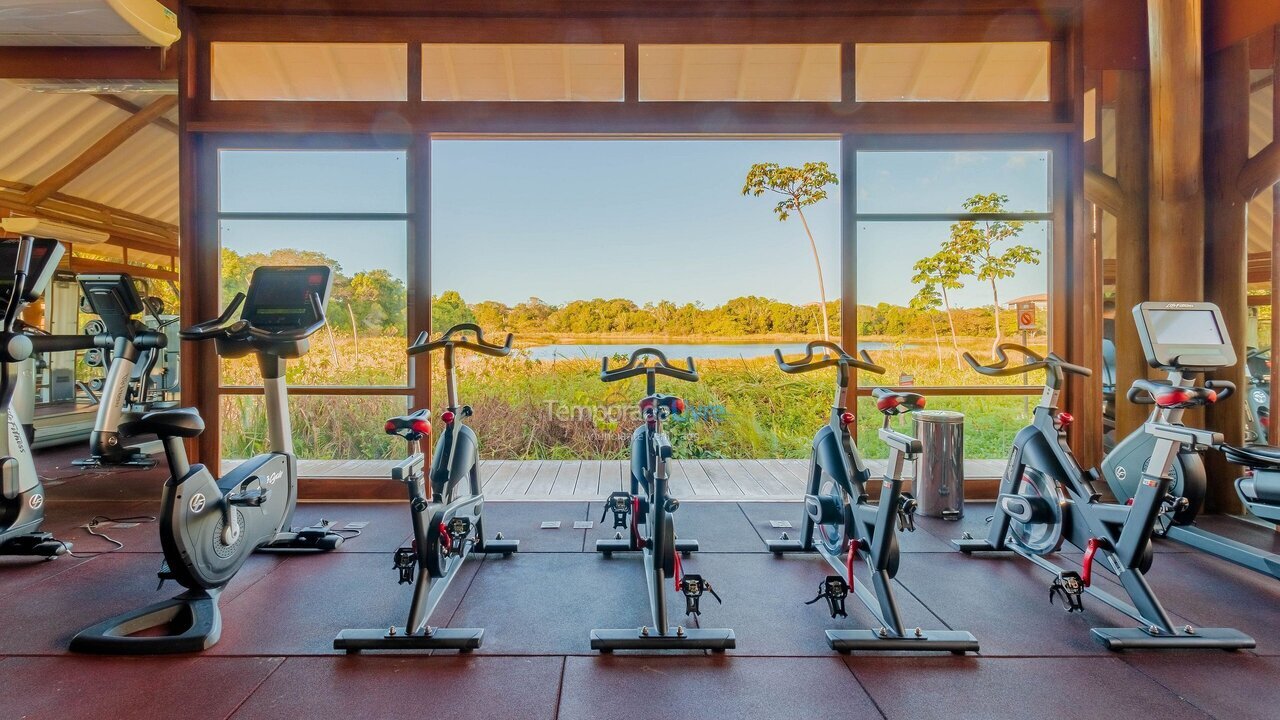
x: 210, y: 526
x: 31, y: 263
x: 447, y: 521
x: 133, y: 353
x: 1259, y: 491
x: 649, y: 519
x: 849, y: 526
x: 1045, y: 498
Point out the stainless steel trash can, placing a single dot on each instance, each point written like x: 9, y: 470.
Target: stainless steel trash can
x: 939, y: 481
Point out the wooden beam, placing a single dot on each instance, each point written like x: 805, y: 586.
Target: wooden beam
x: 1133, y: 169
x: 1273, y: 437
x: 1177, y: 185
x: 1104, y: 191
x: 1226, y: 142
x: 86, y: 63
x: 1260, y: 171
x: 89, y: 265
x: 100, y: 149
x: 125, y: 232
x: 132, y: 109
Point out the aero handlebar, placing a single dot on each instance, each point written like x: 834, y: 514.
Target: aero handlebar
x: 420, y: 345
x: 1000, y: 368
x: 635, y: 367
x: 807, y: 363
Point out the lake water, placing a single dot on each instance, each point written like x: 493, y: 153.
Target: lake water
x: 674, y: 351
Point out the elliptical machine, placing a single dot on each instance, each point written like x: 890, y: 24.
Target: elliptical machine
x: 209, y: 526
x: 1184, y: 339
x: 849, y: 525
x: 32, y: 262
x: 133, y: 353
x: 1046, y: 498
x: 652, y: 530
x: 448, y: 522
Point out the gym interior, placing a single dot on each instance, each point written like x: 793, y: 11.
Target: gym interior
x: 737, y: 359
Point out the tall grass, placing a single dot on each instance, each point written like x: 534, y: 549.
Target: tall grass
x: 528, y: 409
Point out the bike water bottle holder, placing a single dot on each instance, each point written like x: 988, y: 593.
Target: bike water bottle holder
x: 406, y: 559
x: 834, y: 590
x: 693, y: 587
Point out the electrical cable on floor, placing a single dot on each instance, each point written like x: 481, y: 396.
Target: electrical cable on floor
x: 92, y: 528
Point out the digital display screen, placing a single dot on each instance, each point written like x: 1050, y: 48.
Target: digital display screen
x: 41, y: 252
x: 278, y: 297
x: 1184, y: 327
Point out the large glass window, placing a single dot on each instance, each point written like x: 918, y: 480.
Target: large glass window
x: 347, y: 210
x: 953, y: 256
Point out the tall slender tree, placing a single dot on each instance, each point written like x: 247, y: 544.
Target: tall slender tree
x: 941, y: 272
x: 926, y: 302
x: 799, y: 187
x: 980, y: 243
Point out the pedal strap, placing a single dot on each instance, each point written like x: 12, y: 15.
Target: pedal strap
x: 834, y: 590
x: 406, y: 558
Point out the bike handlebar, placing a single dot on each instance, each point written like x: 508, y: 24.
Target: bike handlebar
x: 214, y: 327
x: 808, y: 364
x: 635, y: 367
x: 1000, y: 368
x: 240, y: 329
x: 420, y: 345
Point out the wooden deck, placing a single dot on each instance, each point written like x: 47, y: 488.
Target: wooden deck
x: 593, y: 479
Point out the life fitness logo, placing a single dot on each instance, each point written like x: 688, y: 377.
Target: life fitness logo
x: 197, y: 503
x: 36, y: 501
x: 1179, y: 306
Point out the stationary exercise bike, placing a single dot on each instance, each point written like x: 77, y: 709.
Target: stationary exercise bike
x: 30, y: 264
x: 448, y: 522
x: 849, y: 526
x: 647, y: 520
x: 1193, y: 328
x: 209, y: 526
x: 133, y: 353
x: 1045, y: 498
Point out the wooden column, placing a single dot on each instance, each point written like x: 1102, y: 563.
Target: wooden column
x: 1273, y: 436
x: 1226, y: 142
x: 1133, y: 161
x: 1177, y: 189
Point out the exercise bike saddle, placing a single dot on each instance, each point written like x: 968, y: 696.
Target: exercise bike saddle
x: 178, y: 422
x: 411, y: 427
x: 891, y: 402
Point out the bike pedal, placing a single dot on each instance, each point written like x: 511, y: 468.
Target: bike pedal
x: 620, y: 504
x: 1070, y: 587
x: 458, y: 529
x: 693, y: 587
x: 907, y: 507
x: 405, y: 559
x: 834, y: 590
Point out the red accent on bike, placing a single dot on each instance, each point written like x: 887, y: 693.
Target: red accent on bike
x: 1265, y: 420
x: 888, y: 402
x: 1129, y: 502
x: 679, y: 572
x: 390, y: 427
x: 920, y: 403
x: 847, y: 418
x: 1086, y: 569
x: 445, y: 540
x: 1065, y: 419
x: 447, y: 417
x: 848, y: 563
x: 679, y: 405
x: 1176, y: 396
x: 422, y: 427
x: 635, y: 523
x: 1213, y: 396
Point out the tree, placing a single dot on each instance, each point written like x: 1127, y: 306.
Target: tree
x: 927, y: 301
x: 976, y: 241
x: 448, y: 310
x: 799, y: 187
x: 942, y: 271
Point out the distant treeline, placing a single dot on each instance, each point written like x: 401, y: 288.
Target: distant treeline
x: 375, y: 302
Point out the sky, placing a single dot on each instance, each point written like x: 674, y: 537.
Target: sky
x: 640, y: 219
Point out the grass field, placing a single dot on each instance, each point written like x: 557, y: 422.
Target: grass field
x: 527, y: 409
